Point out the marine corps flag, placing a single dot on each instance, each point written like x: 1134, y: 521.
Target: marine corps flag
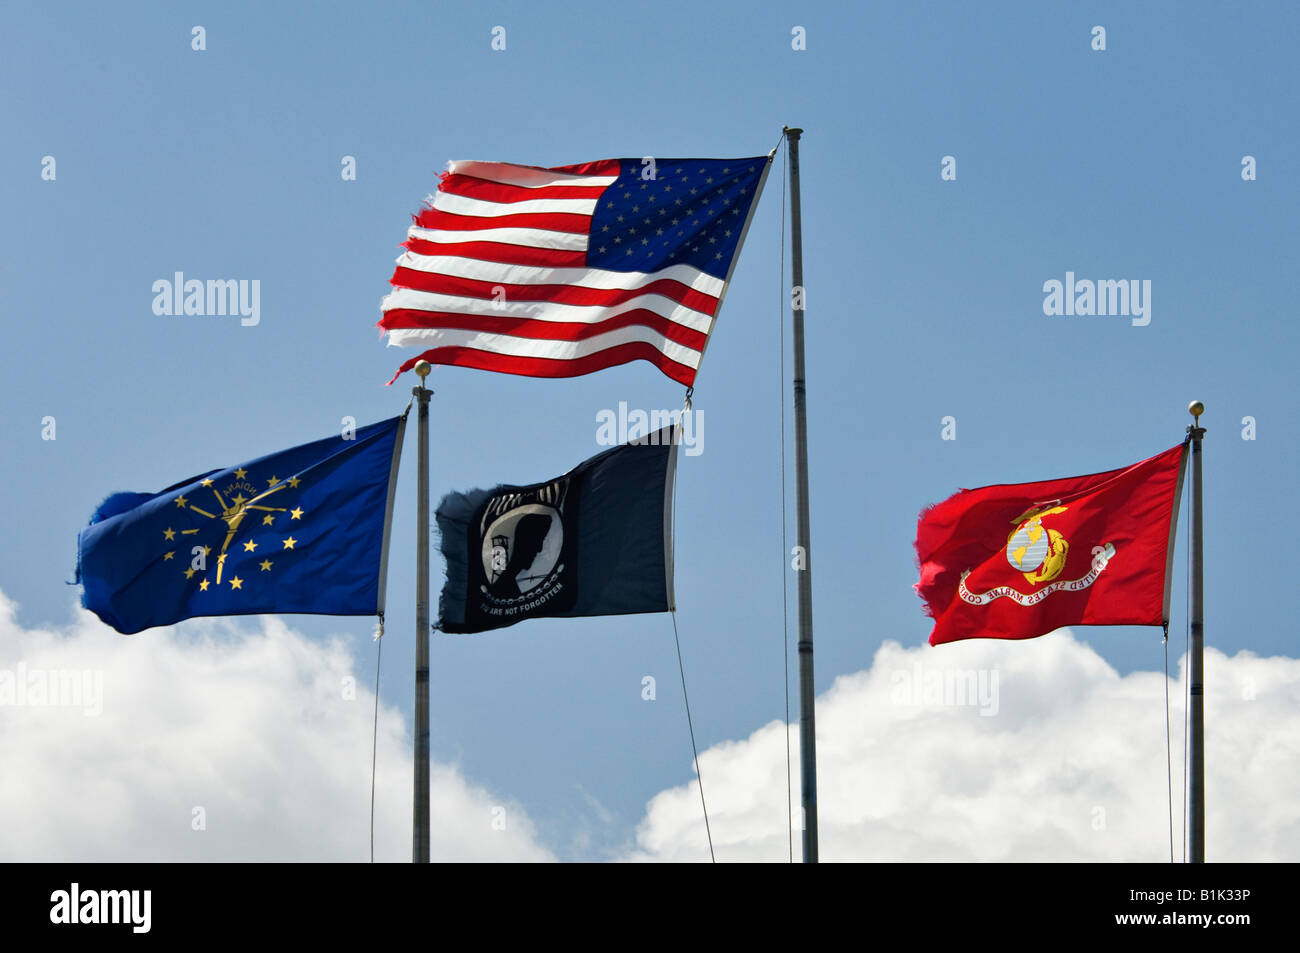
x: 303, y: 530
x: 596, y: 541
x: 1018, y: 560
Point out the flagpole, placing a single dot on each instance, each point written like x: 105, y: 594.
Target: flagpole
x: 807, y: 695
x: 1196, y: 661
x: 420, y: 824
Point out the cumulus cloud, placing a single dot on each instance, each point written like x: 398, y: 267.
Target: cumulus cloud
x: 994, y: 751
x: 242, y: 724
x: 983, y: 751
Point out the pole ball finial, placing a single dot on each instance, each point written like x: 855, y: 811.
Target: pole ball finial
x: 1196, y: 408
x: 423, y: 368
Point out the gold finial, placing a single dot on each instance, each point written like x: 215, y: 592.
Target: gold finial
x: 423, y: 368
x: 1196, y: 408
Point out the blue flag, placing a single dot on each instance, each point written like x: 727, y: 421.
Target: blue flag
x: 303, y: 530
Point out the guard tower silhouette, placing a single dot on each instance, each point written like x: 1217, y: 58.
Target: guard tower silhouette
x: 502, y: 543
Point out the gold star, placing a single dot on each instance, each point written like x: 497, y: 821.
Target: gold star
x: 273, y: 481
x: 207, y: 550
x: 266, y: 565
x: 250, y: 546
x: 169, y: 533
x: 206, y: 483
x: 239, y: 500
x: 181, y: 501
x: 288, y: 543
x: 240, y: 473
x: 267, y: 520
x: 295, y: 513
x: 294, y: 481
x: 189, y: 573
x: 236, y: 583
x: 167, y: 556
x: 203, y: 585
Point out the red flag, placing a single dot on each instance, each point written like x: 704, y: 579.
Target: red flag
x: 1016, y: 561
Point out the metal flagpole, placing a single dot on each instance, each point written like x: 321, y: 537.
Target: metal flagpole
x: 420, y: 824
x: 1195, y: 669
x: 807, y: 721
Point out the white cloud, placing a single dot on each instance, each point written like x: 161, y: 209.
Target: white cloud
x: 244, y: 719
x: 1071, y: 767
x: 247, y: 719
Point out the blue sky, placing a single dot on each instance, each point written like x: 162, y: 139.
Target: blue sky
x: 924, y: 299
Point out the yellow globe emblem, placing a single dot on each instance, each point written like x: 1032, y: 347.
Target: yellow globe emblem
x: 1035, y: 550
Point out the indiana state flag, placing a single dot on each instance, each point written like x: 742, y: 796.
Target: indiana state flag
x: 304, y: 530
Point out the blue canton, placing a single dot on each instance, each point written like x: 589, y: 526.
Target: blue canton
x: 692, y: 212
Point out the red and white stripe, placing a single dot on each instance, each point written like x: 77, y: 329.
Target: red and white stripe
x: 495, y: 277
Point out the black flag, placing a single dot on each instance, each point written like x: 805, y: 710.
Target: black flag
x: 596, y: 541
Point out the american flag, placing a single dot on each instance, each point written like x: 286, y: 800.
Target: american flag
x: 560, y: 272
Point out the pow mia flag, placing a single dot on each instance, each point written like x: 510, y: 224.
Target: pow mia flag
x: 596, y: 541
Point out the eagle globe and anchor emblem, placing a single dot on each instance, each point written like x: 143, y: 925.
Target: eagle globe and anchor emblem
x: 1039, y: 553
